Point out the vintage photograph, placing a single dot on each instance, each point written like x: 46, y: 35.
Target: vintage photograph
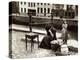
x: 42, y: 29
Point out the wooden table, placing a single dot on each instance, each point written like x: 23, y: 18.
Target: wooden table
x: 32, y: 36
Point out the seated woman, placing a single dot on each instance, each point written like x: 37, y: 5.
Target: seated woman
x: 51, y: 35
x: 64, y: 32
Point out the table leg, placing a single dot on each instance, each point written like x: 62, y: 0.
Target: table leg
x: 38, y: 40
x: 26, y: 42
x: 32, y: 44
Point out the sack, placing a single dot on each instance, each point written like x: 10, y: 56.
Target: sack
x: 60, y: 41
x: 54, y: 42
x: 64, y: 49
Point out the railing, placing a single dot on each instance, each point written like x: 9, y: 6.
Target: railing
x: 66, y: 15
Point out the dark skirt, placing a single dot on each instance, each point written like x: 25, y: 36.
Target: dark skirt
x: 65, y: 38
x: 46, y: 42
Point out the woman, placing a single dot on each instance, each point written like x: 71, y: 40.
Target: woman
x: 64, y: 32
x: 51, y: 35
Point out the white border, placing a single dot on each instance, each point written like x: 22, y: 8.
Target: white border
x: 4, y: 29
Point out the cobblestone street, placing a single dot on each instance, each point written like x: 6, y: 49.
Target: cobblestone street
x: 19, y: 48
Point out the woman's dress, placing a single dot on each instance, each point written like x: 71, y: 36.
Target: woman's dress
x: 48, y: 38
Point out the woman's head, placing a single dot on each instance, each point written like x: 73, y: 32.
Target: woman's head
x: 48, y: 26
x: 64, y: 21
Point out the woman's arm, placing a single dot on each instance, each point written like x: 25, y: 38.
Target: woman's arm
x: 51, y: 33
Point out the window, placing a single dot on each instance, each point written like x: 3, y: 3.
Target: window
x: 57, y: 6
x: 24, y: 3
x: 69, y: 7
x: 37, y: 3
x: 41, y: 10
x: 41, y: 3
x: 32, y: 11
x: 21, y: 2
x: 44, y: 3
x: 29, y: 4
x: 44, y: 11
x: 37, y: 10
x: 24, y: 10
x: 21, y: 9
x: 62, y: 6
x: 48, y: 4
x: 34, y: 4
x: 48, y: 10
x: 76, y: 10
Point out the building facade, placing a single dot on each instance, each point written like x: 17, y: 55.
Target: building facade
x: 45, y: 9
x: 38, y: 9
x: 65, y: 11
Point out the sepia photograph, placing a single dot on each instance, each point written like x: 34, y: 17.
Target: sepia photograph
x: 39, y: 30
